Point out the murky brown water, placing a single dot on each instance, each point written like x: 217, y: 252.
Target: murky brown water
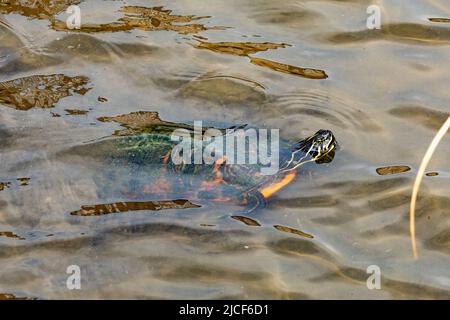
x: 294, y: 65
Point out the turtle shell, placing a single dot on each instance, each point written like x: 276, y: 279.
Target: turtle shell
x: 139, y: 167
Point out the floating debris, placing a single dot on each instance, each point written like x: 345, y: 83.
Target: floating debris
x: 75, y: 112
x: 40, y: 91
x: 392, y: 170
x: 36, y: 9
x: 207, y: 225
x: 199, y: 37
x: 82, y: 91
x: 286, y: 68
x: 144, y: 18
x: 55, y: 115
x: 147, y: 122
x: 247, y: 221
x: 4, y: 185
x: 10, y: 234
x: 239, y: 48
x: 293, y: 231
x: 103, y: 209
x: 247, y: 48
x: 102, y: 99
x: 432, y: 174
x: 446, y: 20
x: 143, y: 122
x: 8, y: 296
x: 23, y: 181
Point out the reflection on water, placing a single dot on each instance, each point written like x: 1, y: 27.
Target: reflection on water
x: 294, y: 65
x: 429, y: 118
x: 398, y: 32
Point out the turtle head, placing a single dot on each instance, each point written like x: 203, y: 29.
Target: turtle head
x: 319, y: 147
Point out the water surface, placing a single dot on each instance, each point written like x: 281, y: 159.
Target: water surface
x: 295, y: 65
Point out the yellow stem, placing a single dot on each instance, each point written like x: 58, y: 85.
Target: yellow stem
x: 426, y: 159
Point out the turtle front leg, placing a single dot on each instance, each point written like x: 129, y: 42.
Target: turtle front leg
x: 257, y: 198
x: 274, y: 187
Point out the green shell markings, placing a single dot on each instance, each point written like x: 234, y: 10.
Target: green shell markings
x: 142, y: 167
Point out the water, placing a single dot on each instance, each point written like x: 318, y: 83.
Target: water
x: 384, y: 93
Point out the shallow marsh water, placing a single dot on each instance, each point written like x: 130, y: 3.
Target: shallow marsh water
x: 295, y: 65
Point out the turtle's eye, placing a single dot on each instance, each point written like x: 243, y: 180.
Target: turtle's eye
x: 324, y: 144
x: 319, y: 148
x: 320, y: 139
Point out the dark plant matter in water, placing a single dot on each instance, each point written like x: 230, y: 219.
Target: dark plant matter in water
x: 44, y: 9
x: 88, y: 176
x: 148, y: 19
x: 40, y: 91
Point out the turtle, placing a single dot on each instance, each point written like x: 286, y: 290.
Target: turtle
x: 141, y: 167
